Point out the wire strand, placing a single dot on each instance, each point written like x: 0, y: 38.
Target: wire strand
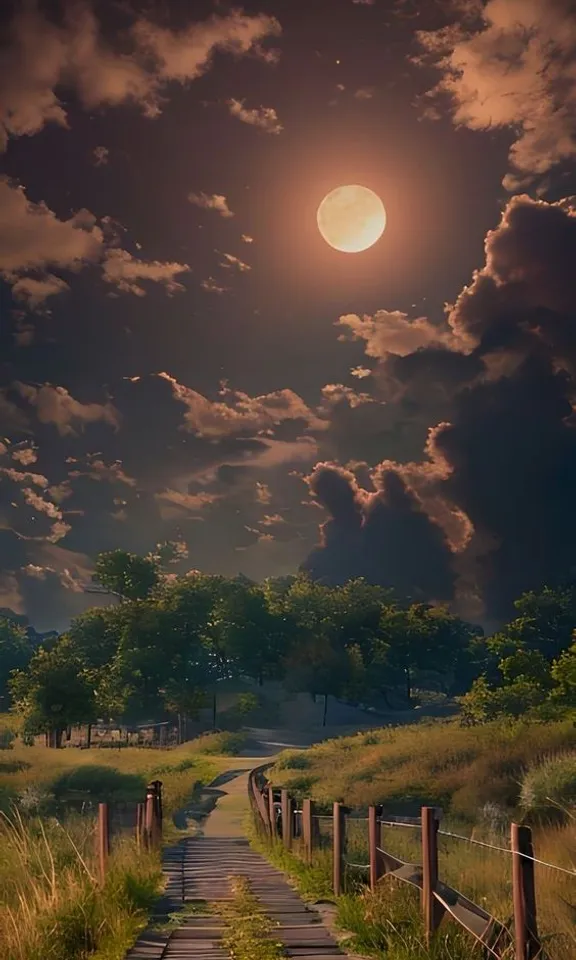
x: 491, y: 846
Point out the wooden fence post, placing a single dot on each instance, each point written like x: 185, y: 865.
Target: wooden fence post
x: 140, y: 840
x: 307, y: 828
x: 153, y: 814
x: 526, y: 938
x: 374, y: 841
x: 103, y: 839
x: 287, y: 819
x: 272, y: 812
x: 429, y: 871
x: 338, y: 842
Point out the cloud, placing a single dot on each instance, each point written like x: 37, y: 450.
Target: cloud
x: 213, y: 201
x: 56, y: 406
x: 510, y: 67
x: 187, y: 54
x: 32, y: 237
x: 207, y: 418
x: 212, y: 286
x: 364, y: 93
x: 43, y: 57
x: 34, y: 291
x: 231, y: 261
x: 246, y: 239
x: 124, y: 271
x: 24, y: 455
x: 391, y: 331
x: 498, y: 467
x: 265, y: 118
x: 100, y: 156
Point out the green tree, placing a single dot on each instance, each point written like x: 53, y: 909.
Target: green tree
x: 127, y: 575
x: 255, y: 637
x: 54, y: 693
x: 15, y: 653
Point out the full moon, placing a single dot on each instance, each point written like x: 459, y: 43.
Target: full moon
x: 351, y: 218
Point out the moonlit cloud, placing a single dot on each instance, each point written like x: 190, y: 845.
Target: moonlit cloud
x: 214, y: 201
x: 391, y: 331
x: 210, y: 285
x: 42, y: 57
x: 364, y: 93
x: 126, y: 272
x: 100, y: 156
x: 246, y: 239
x: 33, y: 237
x: 265, y: 118
x: 510, y: 67
x: 232, y: 261
x: 56, y: 406
x: 207, y: 418
x: 34, y: 291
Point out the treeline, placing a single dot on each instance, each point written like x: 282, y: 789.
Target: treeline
x: 163, y: 648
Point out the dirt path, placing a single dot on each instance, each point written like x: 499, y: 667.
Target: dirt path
x: 199, y: 871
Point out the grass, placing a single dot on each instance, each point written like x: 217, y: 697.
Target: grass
x: 482, y: 778
x: 52, y: 905
x: 461, y: 769
x: 100, y: 775
x: 386, y: 924
x: 248, y: 934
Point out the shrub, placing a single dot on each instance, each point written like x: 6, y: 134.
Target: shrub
x: 7, y: 738
x: 293, y: 760
x: 100, y: 783
x: 224, y: 743
x: 550, y: 787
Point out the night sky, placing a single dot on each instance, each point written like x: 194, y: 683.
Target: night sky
x: 184, y: 359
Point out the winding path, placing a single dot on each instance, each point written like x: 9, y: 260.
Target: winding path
x: 199, y: 870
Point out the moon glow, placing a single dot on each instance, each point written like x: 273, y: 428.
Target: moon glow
x: 351, y: 218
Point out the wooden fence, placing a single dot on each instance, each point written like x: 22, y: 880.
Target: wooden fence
x: 147, y: 824
x: 279, y: 820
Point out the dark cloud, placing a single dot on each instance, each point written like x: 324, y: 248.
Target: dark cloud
x: 385, y: 536
x: 499, y: 472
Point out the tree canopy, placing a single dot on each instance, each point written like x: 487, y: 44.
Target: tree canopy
x: 163, y: 650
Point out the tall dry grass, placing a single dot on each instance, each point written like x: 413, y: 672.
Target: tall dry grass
x: 459, y: 768
x: 479, y: 776
x: 52, y: 906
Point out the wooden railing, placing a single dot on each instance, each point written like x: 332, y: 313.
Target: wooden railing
x: 519, y: 938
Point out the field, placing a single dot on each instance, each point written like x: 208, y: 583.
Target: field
x: 52, y: 903
x: 476, y: 775
x: 468, y: 771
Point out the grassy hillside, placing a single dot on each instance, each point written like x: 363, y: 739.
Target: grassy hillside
x: 466, y: 770
x: 482, y: 777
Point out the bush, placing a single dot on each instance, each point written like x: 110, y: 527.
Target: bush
x: 225, y: 743
x: 100, y: 783
x: 7, y: 738
x: 293, y: 760
x: 550, y: 787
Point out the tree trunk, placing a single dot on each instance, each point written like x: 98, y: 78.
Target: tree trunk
x: 325, y: 710
x: 89, y: 735
x: 214, y: 710
x: 179, y: 729
x: 408, y: 684
x: 68, y: 734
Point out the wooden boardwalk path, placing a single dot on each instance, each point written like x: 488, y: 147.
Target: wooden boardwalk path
x: 200, y: 870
